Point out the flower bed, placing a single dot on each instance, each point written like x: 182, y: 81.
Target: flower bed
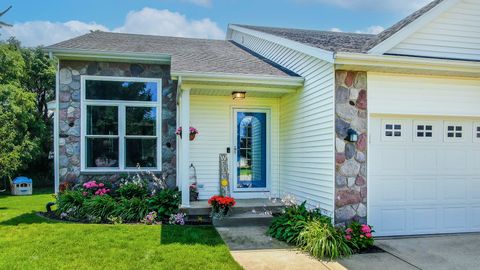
x: 130, y: 202
x: 314, y: 233
x: 221, y: 205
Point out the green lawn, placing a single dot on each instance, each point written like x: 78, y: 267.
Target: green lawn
x: 31, y: 242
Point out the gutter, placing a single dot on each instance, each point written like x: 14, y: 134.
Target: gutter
x: 405, y: 62
x: 80, y: 54
x: 210, y: 77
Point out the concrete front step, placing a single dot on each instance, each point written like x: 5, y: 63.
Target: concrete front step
x: 243, y: 219
x: 201, y: 208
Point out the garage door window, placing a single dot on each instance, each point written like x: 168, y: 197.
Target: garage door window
x: 453, y: 132
x: 476, y: 132
x: 393, y: 131
x: 424, y: 131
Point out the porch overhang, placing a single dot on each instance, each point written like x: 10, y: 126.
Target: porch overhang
x: 225, y: 84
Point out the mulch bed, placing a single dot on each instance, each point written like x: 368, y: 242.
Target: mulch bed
x: 373, y: 249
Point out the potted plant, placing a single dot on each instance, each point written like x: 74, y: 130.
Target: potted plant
x: 221, y: 205
x: 192, y: 132
x: 193, y: 192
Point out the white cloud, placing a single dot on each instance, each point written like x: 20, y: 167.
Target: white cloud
x: 374, y: 29
x: 203, y: 3
x: 391, y: 5
x: 35, y: 33
x: 335, y: 29
x: 164, y: 22
x: 146, y: 21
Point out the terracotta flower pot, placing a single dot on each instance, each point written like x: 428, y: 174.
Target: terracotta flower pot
x: 192, y: 136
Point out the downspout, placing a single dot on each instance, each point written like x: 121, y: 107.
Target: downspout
x: 56, y: 124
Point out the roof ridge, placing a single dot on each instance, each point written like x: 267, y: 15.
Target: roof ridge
x: 302, y: 29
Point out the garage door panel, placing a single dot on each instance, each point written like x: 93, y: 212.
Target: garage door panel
x: 424, y: 219
x: 424, y: 190
x: 433, y: 185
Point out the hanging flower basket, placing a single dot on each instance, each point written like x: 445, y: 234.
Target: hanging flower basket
x: 192, y: 134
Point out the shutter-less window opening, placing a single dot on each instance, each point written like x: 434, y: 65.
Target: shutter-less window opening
x: 424, y: 131
x: 393, y: 130
x: 478, y: 132
x: 454, y: 131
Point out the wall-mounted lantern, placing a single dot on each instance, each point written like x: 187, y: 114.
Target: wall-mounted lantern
x: 238, y: 95
x: 352, y: 135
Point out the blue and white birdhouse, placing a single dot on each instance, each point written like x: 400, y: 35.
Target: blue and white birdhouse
x: 21, y: 186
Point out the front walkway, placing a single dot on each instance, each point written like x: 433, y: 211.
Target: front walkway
x: 253, y: 249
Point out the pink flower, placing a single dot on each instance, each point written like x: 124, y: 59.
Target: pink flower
x: 101, y: 185
x: 348, y: 237
x: 349, y: 230
x: 368, y: 235
x: 365, y: 228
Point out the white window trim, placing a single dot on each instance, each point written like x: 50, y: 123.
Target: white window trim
x: 121, y: 104
x: 403, y: 130
x: 424, y: 123
x: 454, y: 139
x: 475, y: 126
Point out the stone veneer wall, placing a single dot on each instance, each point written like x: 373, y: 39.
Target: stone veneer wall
x: 69, y: 113
x: 350, y: 157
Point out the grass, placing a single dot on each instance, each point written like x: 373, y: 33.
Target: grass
x: 28, y: 241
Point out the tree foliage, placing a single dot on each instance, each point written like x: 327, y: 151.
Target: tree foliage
x: 12, y: 65
x: 18, y: 126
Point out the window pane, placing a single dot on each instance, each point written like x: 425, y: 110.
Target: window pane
x: 121, y: 90
x: 141, y: 120
x: 102, y: 152
x: 102, y: 120
x: 142, y: 152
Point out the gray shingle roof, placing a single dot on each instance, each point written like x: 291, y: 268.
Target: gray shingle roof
x: 326, y: 40
x: 401, y: 24
x: 187, y: 54
x: 341, y: 41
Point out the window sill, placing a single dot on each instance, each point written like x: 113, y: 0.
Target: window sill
x: 106, y: 171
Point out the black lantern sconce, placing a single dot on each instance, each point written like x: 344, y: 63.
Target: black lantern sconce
x: 352, y: 135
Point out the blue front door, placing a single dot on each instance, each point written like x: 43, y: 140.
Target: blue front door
x: 251, y: 150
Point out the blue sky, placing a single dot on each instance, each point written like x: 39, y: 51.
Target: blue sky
x: 48, y: 21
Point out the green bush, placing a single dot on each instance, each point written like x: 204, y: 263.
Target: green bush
x: 133, y: 189
x: 99, y: 208
x: 323, y: 240
x: 131, y: 210
x: 288, y: 226
x: 70, y: 202
x: 165, y: 202
x: 359, y: 236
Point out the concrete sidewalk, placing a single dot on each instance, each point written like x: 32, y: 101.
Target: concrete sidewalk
x: 253, y: 249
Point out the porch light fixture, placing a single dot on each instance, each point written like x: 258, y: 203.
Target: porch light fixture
x: 238, y: 95
x: 352, y: 136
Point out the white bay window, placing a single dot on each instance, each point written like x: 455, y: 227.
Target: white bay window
x: 121, y: 123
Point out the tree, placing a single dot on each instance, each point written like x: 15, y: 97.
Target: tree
x: 3, y: 24
x: 39, y: 78
x: 12, y: 65
x: 18, y: 125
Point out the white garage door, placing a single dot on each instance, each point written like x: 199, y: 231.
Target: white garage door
x: 424, y: 175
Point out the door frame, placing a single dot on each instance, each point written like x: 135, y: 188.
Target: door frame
x: 250, y: 192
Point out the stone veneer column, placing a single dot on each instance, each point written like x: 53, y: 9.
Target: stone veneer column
x: 69, y: 113
x: 350, y: 157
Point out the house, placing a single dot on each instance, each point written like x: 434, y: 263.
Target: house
x: 380, y: 128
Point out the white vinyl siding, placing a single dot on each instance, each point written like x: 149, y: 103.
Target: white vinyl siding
x: 212, y: 116
x: 306, y: 124
x: 422, y: 95
x: 454, y: 34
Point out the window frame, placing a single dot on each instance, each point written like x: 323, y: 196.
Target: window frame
x: 403, y: 130
x: 476, y: 125
x: 425, y: 124
x: 454, y: 139
x: 122, y: 136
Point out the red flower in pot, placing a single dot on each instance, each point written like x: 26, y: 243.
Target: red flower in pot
x: 193, y: 132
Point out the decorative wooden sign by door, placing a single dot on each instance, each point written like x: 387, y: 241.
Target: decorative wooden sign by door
x: 223, y: 169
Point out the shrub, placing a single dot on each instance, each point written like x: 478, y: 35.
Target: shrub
x: 288, y: 226
x: 99, y: 208
x: 131, y: 210
x: 165, y: 202
x: 93, y: 188
x: 323, y: 240
x: 69, y: 203
x: 133, y: 189
x: 359, y: 236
